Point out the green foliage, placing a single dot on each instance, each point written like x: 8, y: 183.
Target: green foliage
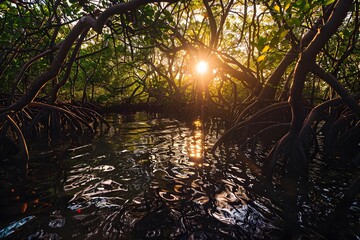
x: 150, y: 52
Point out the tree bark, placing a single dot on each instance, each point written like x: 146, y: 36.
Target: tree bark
x: 308, y: 60
x: 271, y: 84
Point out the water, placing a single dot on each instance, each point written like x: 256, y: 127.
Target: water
x: 147, y: 178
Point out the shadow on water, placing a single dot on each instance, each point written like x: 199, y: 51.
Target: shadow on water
x: 147, y: 178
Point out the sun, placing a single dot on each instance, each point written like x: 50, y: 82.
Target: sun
x: 202, y: 67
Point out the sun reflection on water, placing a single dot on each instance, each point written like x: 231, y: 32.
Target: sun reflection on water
x: 152, y: 179
x: 196, y: 143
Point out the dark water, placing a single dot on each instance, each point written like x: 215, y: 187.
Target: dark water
x: 154, y: 178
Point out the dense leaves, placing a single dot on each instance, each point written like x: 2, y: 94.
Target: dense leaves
x: 244, y: 41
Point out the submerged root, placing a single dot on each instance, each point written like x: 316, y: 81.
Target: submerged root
x: 331, y: 127
x: 331, y: 119
x: 274, y: 114
x: 39, y: 119
x: 12, y: 140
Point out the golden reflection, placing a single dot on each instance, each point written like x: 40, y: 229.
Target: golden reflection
x: 197, y: 123
x: 196, y: 144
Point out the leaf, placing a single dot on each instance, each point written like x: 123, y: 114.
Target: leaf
x: 146, y: 38
x: 347, y: 33
x: 277, y: 8
x: 283, y: 34
x: 265, y: 49
x: 260, y: 58
x: 287, y: 6
x: 328, y: 2
x: 306, y: 7
x: 262, y: 65
x: 300, y: 3
x: 261, y: 43
x: 4, y: 7
x: 274, y: 41
x: 293, y: 22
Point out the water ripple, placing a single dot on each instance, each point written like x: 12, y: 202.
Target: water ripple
x: 15, y: 226
x: 155, y: 179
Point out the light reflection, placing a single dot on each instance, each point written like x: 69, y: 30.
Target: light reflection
x: 196, y: 144
x: 14, y: 226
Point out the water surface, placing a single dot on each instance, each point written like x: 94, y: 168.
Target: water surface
x: 147, y: 178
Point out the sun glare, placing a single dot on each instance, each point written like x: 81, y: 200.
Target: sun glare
x: 202, y: 67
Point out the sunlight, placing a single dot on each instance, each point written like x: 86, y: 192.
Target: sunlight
x: 202, y: 67
x: 196, y: 144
